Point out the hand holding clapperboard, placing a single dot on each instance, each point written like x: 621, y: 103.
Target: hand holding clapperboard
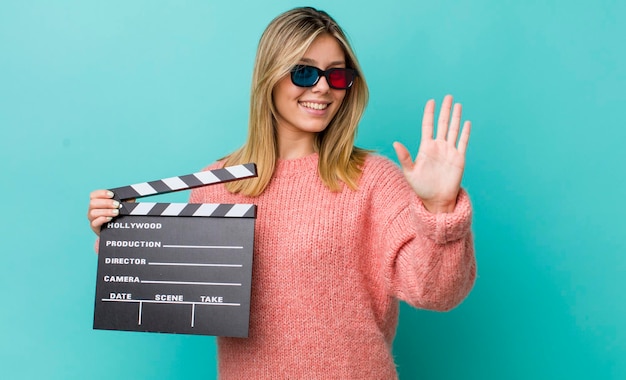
x: 177, y: 267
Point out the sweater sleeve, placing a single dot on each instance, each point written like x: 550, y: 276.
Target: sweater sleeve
x: 428, y: 258
x: 436, y: 268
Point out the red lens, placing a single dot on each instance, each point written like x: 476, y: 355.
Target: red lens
x: 340, y: 78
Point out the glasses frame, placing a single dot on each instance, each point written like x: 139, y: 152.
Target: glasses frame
x: 326, y: 74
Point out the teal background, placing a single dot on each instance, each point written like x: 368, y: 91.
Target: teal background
x: 100, y: 94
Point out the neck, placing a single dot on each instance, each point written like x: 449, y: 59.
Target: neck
x: 295, y: 146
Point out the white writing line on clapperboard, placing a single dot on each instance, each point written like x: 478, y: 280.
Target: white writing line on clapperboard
x: 203, y: 246
x: 198, y: 265
x: 158, y: 244
x: 189, y: 283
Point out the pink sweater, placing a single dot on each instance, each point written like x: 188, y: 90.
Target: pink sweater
x: 329, y: 269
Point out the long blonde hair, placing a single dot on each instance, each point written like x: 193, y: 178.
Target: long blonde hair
x: 282, y: 45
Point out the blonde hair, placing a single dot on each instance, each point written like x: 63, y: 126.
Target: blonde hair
x: 281, y: 47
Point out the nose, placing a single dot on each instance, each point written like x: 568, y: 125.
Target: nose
x: 321, y: 85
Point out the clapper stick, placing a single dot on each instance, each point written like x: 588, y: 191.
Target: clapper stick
x: 185, y: 182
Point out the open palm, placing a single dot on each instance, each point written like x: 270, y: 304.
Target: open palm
x: 436, y: 173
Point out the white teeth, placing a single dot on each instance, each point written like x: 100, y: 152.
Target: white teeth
x: 315, y: 106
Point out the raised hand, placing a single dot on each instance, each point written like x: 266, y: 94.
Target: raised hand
x: 436, y: 173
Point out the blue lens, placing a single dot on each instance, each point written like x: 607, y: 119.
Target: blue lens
x: 304, y: 76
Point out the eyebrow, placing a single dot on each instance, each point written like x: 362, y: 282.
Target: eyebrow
x: 312, y: 61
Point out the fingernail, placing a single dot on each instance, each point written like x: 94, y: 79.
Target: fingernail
x: 109, y: 218
x: 116, y: 212
x: 116, y: 204
x: 110, y: 194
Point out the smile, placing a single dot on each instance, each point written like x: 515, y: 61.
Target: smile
x: 315, y: 106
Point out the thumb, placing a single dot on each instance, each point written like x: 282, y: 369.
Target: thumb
x: 403, y: 156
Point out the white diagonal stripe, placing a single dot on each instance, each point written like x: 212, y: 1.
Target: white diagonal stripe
x: 143, y: 188
x: 174, y: 209
x: 206, y: 209
x: 238, y: 210
x: 207, y: 177
x: 142, y: 208
x: 175, y: 183
x: 239, y: 171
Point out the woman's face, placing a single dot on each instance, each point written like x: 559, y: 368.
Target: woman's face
x: 305, y: 111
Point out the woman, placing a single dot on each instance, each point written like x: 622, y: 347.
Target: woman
x: 341, y: 234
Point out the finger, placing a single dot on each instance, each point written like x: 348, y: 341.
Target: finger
x: 100, y: 206
x: 427, y: 120
x: 96, y: 213
x: 465, y: 134
x: 96, y: 224
x: 455, y: 124
x: 404, y: 156
x: 101, y: 194
x: 103, y: 203
x: 444, y: 117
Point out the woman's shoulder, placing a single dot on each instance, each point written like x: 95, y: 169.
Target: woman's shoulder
x: 376, y: 165
x: 374, y: 158
x: 383, y: 182
x: 380, y: 172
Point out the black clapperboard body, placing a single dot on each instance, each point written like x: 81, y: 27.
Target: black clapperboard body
x: 177, y: 267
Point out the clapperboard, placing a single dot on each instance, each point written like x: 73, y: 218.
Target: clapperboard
x: 177, y: 267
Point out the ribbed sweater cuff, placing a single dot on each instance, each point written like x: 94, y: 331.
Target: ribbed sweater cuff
x: 445, y: 227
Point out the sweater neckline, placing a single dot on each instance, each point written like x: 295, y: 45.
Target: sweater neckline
x: 285, y: 168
